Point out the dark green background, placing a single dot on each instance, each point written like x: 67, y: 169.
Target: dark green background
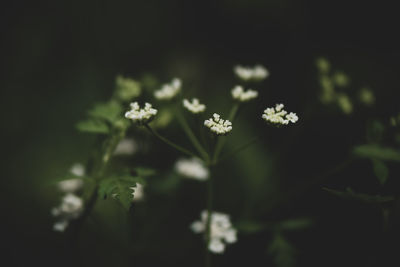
x: 60, y: 57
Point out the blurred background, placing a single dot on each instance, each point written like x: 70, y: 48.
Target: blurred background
x: 61, y: 57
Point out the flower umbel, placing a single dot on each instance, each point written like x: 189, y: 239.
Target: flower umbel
x: 70, y: 208
x: 279, y: 116
x: 169, y: 91
x: 221, y: 230
x: 195, y: 106
x: 256, y: 73
x: 192, y: 168
x: 218, y: 125
x: 241, y: 95
x: 141, y: 115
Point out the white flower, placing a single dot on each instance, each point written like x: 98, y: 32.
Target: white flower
x: 70, y: 185
x: 241, y: 95
x: 195, y: 106
x: 256, y: 73
x: 138, y: 193
x: 141, y: 115
x: 192, y: 168
x: 218, y: 125
x: 126, y: 146
x: 78, y: 169
x: 279, y: 116
x: 221, y: 230
x: 71, y: 207
x: 168, y: 91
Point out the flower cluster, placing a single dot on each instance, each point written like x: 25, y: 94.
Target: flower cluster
x: 256, y: 73
x: 195, y: 106
x: 192, y: 168
x: 279, y: 116
x: 218, y: 125
x: 169, y: 91
x: 141, y: 115
x: 241, y: 95
x: 71, y: 205
x: 138, y: 192
x: 221, y: 230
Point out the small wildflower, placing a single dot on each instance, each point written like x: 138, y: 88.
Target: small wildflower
x: 279, y: 116
x: 138, y: 192
x: 78, y: 169
x: 195, y: 106
x: 221, y: 230
x: 256, y: 73
x: 192, y: 168
x: 70, y: 208
x: 126, y: 146
x: 218, y: 125
x: 169, y: 91
x: 241, y: 95
x: 70, y: 185
x: 141, y: 115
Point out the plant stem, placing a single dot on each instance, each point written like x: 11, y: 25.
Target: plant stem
x: 208, y: 222
x: 192, y: 137
x: 168, y: 142
x: 241, y: 147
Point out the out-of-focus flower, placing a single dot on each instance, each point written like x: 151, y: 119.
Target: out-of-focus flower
x: 192, y: 168
x: 221, y: 230
x: 341, y: 79
x: 138, y: 192
x: 323, y: 65
x: 78, y: 169
x: 241, y: 95
x: 256, y: 73
x: 279, y: 116
x: 70, y: 185
x: 141, y: 115
x: 70, y: 208
x: 367, y: 97
x: 169, y: 91
x: 344, y: 103
x: 126, y: 146
x: 195, y: 106
x: 218, y: 125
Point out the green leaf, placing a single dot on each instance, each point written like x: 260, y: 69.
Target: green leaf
x: 120, y: 188
x: 143, y: 171
x: 283, y: 252
x: 364, y: 198
x: 110, y: 111
x: 381, y: 171
x: 377, y: 152
x: 93, y: 126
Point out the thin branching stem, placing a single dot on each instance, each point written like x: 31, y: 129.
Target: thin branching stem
x: 168, y: 142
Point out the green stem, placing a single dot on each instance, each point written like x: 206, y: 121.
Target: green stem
x: 221, y: 141
x: 168, y: 142
x: 192, y: 137
x: 241, y: 147
x: 208, y: 222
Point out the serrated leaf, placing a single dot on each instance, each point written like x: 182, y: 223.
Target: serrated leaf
x: 361, y: 197
x: 93, y: 126
x: 377, y: 152
x: 381, y: 171
x: 110, y: 111
x: 120, y: 188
